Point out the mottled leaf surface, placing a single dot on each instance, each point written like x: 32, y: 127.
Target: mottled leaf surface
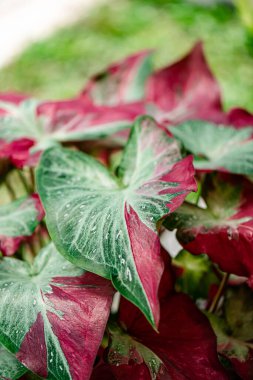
x: 10, y: 367
x: 107, y: 223
x: 18, y: 220
x: 217, y: 147
x: 224, y: 230
x: 122, y: 82
x: 52, y: 314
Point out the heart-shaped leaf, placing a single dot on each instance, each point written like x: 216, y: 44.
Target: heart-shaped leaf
x: 185, y: 90
x: 224, y: 230
x: 184, y: 348
x: 10, y: 367
x: 217, y: 147
x: 53, y: 315
x: 122, y: 82
x: 17, y: 221
x: 106, y: 223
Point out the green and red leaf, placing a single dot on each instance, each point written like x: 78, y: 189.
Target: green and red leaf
x: 185, y: 90
x: 217, y: 147
x: 53, y: 315
x: 122, y: 82
x: 18, y: 220
x: 107, y: 224
x: 224, y: 230
x: 29, y: 127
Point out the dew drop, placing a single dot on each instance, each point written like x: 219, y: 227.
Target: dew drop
x: 118, y: 234
x: 34, y: 302
x: 230, y: 233
x: 128, y: 274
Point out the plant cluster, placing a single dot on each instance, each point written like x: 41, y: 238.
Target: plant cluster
x: 94, y: 184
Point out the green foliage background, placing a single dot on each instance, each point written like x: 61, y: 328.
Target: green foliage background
x: 58, y: 66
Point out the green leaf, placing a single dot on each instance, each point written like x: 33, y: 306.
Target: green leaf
x: 20, y: 121
x: 10, y: 367
x: 107, y: 224
x: 197, y: 274
x: 234, y: 329
x: 18, y: 219
x: 217, y: 147
x: 124, y: 349
x: 52, y: 314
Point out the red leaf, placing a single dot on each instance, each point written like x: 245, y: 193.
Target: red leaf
x: 185, y: 344
x: 185, y: 90
x: 239, y: 118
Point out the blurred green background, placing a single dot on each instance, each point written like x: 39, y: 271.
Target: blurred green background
x: 59, y: 66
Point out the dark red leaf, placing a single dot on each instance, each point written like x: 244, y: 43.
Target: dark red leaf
x: 185, y: 90
x: 239, y: 117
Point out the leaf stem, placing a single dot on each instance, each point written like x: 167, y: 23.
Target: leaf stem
x: 24, y: 181
x: 31, y: 171
x: 10, y: 189
x: 215, y: 302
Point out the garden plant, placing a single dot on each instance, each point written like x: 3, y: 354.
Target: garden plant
x: 90, y: 184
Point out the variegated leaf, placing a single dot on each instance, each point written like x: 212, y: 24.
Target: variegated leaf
x: 122, y: 82
x: 108, y: 224
x: 30, y: 127
x: 17, y: 221
x: 217, y: 147
x: 52, y: 315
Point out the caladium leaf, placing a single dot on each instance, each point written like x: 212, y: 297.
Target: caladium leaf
x: 18, y: 220
x: 234, y: 330
x: 184, y: 348
x: 185, y: 90
x: 217, y: 147
x: 223, y: 230
x: 30, y: 127
x: 80, y: 120
x: 107, y: 224
x: 122, y: 82
x: 53, y: 315
x: 10, y: 367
